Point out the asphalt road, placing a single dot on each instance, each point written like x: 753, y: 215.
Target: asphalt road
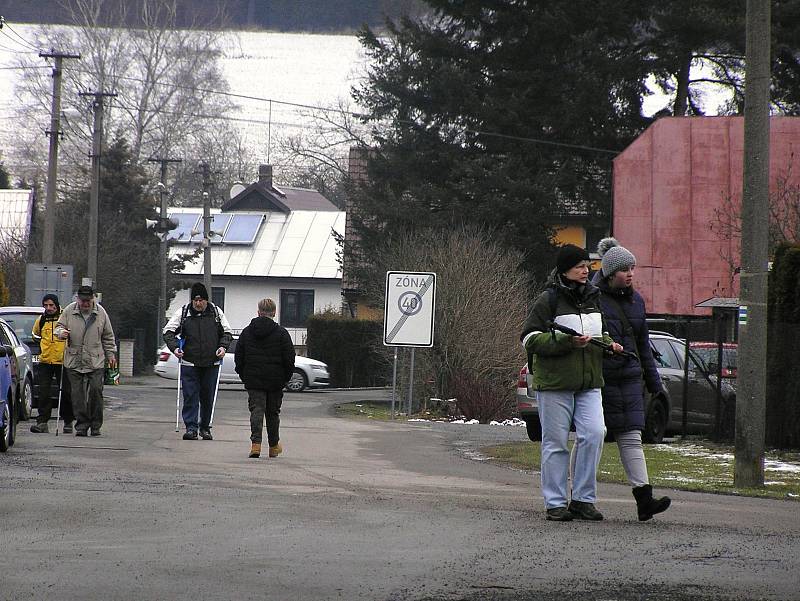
x: 353, y: 509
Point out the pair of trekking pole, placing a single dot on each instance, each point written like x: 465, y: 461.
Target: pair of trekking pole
x: 178, y: 397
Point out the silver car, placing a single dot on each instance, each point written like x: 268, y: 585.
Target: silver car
x: 23, y: 359
x: 308, y: 373
x: 663, y: 413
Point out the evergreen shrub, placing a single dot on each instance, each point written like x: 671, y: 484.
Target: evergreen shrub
x: 783, y: 359
x: 350, y: 347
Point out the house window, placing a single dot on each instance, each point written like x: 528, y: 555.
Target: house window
x: 594, y: 233
x: 296, y: 307
x: 218, y: 296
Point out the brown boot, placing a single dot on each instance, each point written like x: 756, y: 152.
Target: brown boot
x: 255, y: 450
x: 276, y: 450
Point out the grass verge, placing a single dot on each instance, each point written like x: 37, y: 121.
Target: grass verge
x: 696, y: 465
x: 381, y: 410
x: 366, y: 409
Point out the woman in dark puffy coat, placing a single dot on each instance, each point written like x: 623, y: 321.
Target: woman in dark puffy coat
x: 623, y: 400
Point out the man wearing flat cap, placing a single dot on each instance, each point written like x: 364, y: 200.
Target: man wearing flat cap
x: 86, y: 327
x: 199, y: 335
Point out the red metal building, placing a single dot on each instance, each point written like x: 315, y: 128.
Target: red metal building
x: 669, y: 186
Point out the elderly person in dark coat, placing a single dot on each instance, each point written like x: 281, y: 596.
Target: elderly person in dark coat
x: 623, y: 400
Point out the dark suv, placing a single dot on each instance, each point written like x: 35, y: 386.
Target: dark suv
x: 663, y: 413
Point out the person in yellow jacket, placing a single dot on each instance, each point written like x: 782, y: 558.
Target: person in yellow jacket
x: 51, y: 362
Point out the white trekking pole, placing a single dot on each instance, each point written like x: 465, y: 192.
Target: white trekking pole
x: 216, y: 390
x: 60, y: 387
x: 178, y: 398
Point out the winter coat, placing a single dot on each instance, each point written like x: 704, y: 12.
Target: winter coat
x: 623, y: 400
x: 552, y: 359
x: 264, y: 356
x: 52, y: 348
x: 91, y: 341
x: 202, y: 334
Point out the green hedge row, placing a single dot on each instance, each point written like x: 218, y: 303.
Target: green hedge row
x: 783, y: 359
x: 352, y: 348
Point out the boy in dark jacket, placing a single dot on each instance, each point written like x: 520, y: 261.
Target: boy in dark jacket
x: 264, y: 360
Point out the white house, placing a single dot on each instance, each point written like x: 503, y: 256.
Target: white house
x: 266, y: 241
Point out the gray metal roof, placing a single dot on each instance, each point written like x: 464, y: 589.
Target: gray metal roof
x: 299, y: 244
x: 720, y: 301
x: 16, y: 207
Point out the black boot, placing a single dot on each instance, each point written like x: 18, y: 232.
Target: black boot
x: 646, y: 505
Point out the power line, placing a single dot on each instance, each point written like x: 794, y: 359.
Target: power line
x: 363, y: 115
x: 23, y: 67
x: 13, y: 41
x: 24, y: 41
x: 338, y: 111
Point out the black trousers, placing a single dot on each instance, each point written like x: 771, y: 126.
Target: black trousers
x: 265, y: 404
x: 50, y: 374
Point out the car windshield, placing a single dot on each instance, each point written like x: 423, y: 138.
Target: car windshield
x: 22, y: 324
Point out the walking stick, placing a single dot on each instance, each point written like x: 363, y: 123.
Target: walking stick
x: 606, y: 347
x: 60, y: 387
x: 216, y: 390
x: 178, y: 398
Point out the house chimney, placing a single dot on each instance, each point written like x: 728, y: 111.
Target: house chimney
x: 265, y: 175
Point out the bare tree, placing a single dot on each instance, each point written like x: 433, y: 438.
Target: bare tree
x: 161, y: 75
x: 481, y: 301
x: 317, y: 157
x: 784, y: 221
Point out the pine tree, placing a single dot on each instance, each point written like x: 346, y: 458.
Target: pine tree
x: 500, y: 114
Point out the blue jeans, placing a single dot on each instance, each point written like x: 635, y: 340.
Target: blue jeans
x: 558, y: 410
x: 198, y: 385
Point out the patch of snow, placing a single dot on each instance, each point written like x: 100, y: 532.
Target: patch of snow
x: 781, y: 466
x: 514, y: 421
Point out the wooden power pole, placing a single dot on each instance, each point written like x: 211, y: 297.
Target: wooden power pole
x: 752, y: 389
x: 52, y: 159
x: 94, y: 192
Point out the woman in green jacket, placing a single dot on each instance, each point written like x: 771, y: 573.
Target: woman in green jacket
x: 567, y: 377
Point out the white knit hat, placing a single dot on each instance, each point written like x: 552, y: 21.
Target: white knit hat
x: 613, y: 257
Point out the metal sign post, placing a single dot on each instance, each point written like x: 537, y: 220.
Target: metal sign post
x: 394, y: 380
x: 409, y: 317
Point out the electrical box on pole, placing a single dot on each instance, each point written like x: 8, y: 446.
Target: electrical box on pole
x: 44, y: 278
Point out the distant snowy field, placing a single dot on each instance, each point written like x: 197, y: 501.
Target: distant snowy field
x: 309, y: 69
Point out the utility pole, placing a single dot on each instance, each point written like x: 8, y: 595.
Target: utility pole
x: 52, y: 160
x: 164, y: 197
x: 94, y: 192
x: 207, y: 185
x: 752, y: 390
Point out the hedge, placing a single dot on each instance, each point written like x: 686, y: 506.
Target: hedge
x: 351, y: 348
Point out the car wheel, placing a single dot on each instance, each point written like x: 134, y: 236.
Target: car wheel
x: 7, y: 431
x: 26, y: 401
x: 298, y: 382
x: 655, y: 425
x: 534, y: 428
